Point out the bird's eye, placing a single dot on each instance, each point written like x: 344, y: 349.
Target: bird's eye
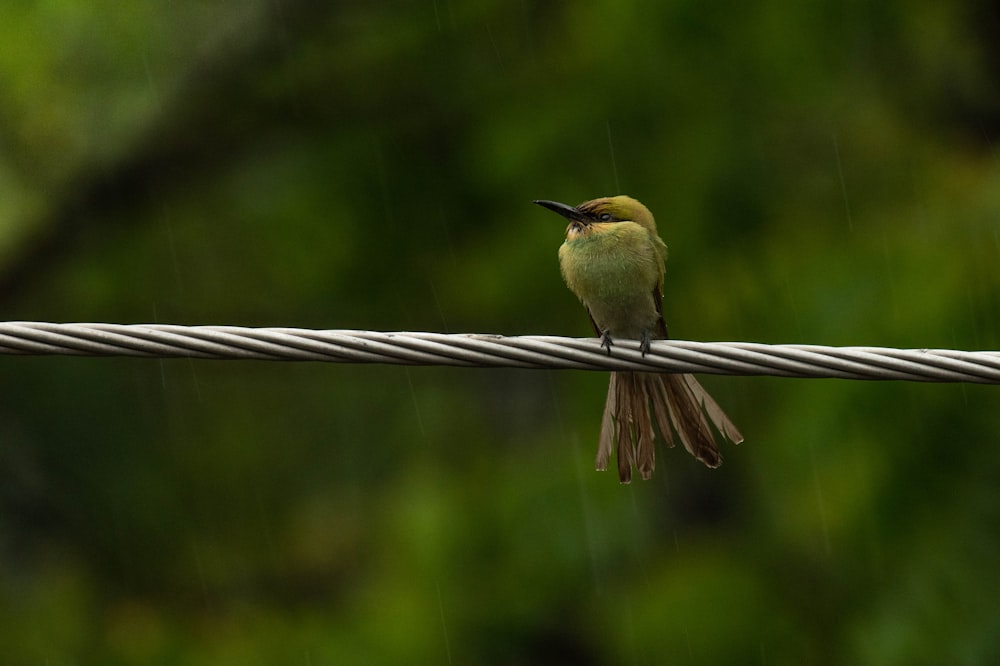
x: 605, y: 217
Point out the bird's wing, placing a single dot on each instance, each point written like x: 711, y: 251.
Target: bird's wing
x: 597, y: 329
x: 661, y: 324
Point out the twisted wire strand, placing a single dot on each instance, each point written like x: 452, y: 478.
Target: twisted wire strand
x: 477, y: 350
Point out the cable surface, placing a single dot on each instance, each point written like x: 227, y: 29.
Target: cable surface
x: 477, y: 350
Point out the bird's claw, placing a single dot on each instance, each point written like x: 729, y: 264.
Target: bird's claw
x: 644, y: 344
x: 606, y: 341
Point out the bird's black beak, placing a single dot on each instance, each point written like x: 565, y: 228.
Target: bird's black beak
x: 569, y: 212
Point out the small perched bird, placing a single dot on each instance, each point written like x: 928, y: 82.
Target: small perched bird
x: 612, y: 260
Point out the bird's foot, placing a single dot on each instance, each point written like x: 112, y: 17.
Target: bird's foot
x: 644, y: 344
x: 606, y: 340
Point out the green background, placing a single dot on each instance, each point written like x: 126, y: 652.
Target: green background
x: 823, y: 173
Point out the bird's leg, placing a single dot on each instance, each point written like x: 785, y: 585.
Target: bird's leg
x: 606, y: 340
x: 644, y: 344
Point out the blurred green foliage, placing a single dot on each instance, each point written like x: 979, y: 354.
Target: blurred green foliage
x: 823, y: 173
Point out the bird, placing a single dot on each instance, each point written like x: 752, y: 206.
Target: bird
x: 613, y: 260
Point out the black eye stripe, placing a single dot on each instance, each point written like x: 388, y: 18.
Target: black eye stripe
x: 596, y: 213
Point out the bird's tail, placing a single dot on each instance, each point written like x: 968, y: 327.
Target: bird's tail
x: 678, y: 403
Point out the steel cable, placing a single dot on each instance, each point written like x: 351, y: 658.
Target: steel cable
x: 476, y: 350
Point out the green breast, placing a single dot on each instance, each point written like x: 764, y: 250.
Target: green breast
x: 614, y: 273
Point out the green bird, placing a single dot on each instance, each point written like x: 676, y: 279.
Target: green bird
x: 612, y: 260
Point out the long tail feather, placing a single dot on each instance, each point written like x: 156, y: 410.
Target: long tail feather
x: 645, y: 452
x: 715, y: 413
x: 679, y: 405
x: 609, y: 429
x: 689, y: 421
x: 625, y: 418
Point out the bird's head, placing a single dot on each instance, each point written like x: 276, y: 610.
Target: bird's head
x: 595, y: 214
